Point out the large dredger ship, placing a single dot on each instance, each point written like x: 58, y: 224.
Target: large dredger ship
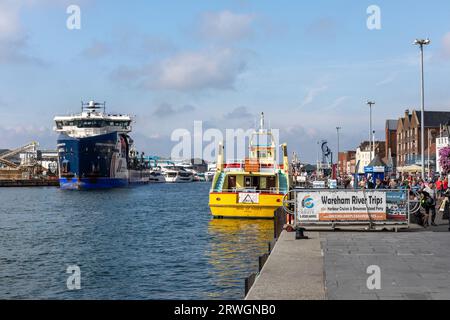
x: 95, y: 150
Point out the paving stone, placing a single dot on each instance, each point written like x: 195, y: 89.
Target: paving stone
x: 414, y: 265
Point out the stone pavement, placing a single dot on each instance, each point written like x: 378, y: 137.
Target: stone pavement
x: 294, y: 271
x: 334, y: 265
x: 413, y: 265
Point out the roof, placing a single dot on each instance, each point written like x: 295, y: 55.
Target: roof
x: 391, y: 124
x: 434, y: 119
x: 377, y: 162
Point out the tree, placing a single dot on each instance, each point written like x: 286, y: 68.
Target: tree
x: 444, y: 160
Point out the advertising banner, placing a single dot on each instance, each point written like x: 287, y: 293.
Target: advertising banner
x: 397, y: 205
x: 341, y: 206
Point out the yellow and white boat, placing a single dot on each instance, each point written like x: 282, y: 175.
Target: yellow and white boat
x: 254, y: 187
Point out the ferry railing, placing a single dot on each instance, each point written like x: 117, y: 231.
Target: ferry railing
x: 251, y: 190
x: 239, y: 166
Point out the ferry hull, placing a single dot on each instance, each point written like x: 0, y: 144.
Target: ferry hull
x: 226, y: 205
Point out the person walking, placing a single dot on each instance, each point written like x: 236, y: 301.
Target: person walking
x: 431, y: 203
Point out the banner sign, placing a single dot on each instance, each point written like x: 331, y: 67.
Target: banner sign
x: 341, y: 206
x: 249, y: 198
x: 397, y: 205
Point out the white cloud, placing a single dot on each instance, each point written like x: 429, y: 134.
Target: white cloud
x: 226, y: 26
x: 389, y: 79
x: 189, y: 71
x: 9, y: 20
x: 337, y: 103
x: 446, y: 45
x: 312, y: 94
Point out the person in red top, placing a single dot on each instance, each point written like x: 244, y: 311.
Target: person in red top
x: 440, y: 187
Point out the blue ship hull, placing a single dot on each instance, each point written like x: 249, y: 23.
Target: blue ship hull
x: 98, y: 162
x: 91, y: 184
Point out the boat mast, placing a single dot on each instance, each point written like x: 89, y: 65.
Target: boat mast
x: 262, y: 122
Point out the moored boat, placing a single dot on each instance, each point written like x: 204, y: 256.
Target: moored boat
x: 254, y: 187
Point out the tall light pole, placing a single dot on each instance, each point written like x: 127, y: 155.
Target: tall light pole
x: 338, y: 150
x: 428, y: 164
x: 422, y: 43
x: 370, y: 104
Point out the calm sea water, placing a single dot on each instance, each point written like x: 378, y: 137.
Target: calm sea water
x: 149, y: 242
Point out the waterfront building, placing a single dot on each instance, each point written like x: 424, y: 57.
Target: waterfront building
x: 364, y: 155
x: 391, y: 144
x: 347, y: 162
x: 441, y: 142
x: 408, y: 136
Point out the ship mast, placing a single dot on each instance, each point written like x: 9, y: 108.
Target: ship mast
x: 261, y: 129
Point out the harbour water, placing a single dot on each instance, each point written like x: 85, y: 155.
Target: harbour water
x: 149, y: 242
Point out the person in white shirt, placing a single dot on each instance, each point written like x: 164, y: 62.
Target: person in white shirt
x: 431, y: 190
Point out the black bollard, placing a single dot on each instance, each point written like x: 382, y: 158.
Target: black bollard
x: 300, y: 235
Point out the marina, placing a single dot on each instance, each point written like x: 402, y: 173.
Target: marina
x: 242, y: 152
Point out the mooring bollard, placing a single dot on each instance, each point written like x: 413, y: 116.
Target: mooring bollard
x: 300, y: 234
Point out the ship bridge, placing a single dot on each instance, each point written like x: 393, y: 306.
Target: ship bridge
x: 93, y: 120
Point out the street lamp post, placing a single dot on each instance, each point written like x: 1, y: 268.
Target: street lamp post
x: 428, y: 164
x: 338, y: 151
x: 422, y: 43
x: 370, y: 104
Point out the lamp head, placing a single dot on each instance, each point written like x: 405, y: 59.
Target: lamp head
x: 422, y: 42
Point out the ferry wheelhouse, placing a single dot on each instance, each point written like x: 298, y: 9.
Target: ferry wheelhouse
x: 253, y: 187
x: 96, y: 151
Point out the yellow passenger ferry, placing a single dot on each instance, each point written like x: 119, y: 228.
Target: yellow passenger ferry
x: 254, y: 187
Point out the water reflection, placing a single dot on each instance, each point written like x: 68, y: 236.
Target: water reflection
x: 233, y: 253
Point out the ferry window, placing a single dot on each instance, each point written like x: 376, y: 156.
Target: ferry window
x: 270, y: 183
x: 231, y: 182
x: 262, y: 154
x: 248, y: 182
x: 59, y: 124
x: 255, y: 182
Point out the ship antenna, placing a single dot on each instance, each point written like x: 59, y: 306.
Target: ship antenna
x: 262, y: 121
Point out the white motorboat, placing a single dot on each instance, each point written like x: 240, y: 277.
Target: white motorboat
x: 177, y: 175
x: 156, y: 176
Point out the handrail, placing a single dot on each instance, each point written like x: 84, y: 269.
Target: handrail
x: 250, y: 190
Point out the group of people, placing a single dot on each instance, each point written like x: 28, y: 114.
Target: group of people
x: 431, y: 194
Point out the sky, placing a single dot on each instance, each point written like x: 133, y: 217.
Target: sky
x: 310, y: 66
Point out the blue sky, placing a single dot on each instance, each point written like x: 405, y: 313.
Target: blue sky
x: 310, y: 66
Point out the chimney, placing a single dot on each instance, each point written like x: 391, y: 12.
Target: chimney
x: 406, y: 113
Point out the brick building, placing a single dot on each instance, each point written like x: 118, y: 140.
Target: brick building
x: 391, y: 143
x: 408, y: 135
x: 347, y: 162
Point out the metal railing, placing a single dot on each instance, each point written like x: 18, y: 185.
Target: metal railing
x: 251, y: 190
x: 240, y: 166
